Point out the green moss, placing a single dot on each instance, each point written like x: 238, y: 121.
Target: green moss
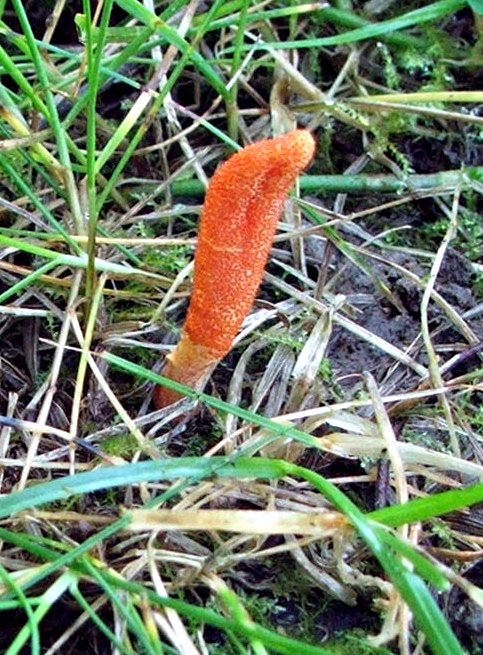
x: 427, y: 439
x: 443, y: 530
x: 168, y: 260
x: 428, y: 236
x: 391, y: 75
x: 121, y: 445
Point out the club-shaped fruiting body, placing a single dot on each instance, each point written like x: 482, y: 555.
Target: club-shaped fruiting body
x: 243, y: 203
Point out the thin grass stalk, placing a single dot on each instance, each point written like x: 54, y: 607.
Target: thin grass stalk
x: 25, y: 189
x: 24, y: 85
x: 370, y: 105
x: 423, y: 605
x: 27, y: 281
x: 78, y: 106
x: 144, y: 444
x: 52, y: 24
x: 128, y: 152
x: 385, y: 29
x: 94, y: 58
x: 409, y: 584
x: 111, y: 65
x: 238, y: 466
x: 434, y: 372
x: 25, y: 604
x: 48, y: 598
x: 85, y: 345
x: 73, y: 261
x: 188, y: 54
x: 234, y: 8
x: 231, y: 103
x: 171, y: 35
x: 151, y: 115
x: 98, y: 622
x: 279, y: 643
x: 19, y: 145
x: 125, y: 609
x: 54, y: 375
x: 16, y: 121
x: 236, y: 609
x: 422, y: 96
x: 413, y: 590
x: 53, y: 118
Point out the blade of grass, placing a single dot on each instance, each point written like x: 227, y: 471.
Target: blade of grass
x: 279, y: 643
x: 111, y: 65
x: 382, y: 29
x: 170, y: 35
x: 71, y: 260
x: 101, y: 625
x: 94, y: 58
x: 347, y: 249
x: 231, y: 104
x: 129, y: 120
x: 52, y: 116
x: 24, y: 603
x: 425, y: 96
x: 125, y: 609
x: 25, y: 189
x: 16, y: 121
x: 21, y: 81
x: 27, y: 281
x: 48, y: 598
x: 420, y: 509
x: 428, y: 614
x: 29, y: 159
x: 422, y: 566
x: 423, y: 605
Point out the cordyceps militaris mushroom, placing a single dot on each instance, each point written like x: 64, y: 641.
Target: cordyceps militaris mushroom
x: 243, y: 203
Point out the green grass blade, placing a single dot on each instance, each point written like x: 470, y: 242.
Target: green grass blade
x: 273, y: 426
x: 423, y: 606
x: 94, y: 58
x: 425, y: 14
x: 170, y: 35
x: 279, y: 643
x: 24, y: 603
x: 71, y: 260
x: 429, y: 617
x: 48, y: 598
x: 125, y: 609
x: 422, y: 509
x: 27, y: 281
x: 25, y: 189
x: 52, y: 116
x: 25, y: 87
x: 422, y: 566
x: 98, y: 622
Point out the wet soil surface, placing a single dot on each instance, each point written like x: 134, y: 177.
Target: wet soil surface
x: 400, y: 323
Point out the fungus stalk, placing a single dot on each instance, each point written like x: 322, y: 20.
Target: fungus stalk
x: 243, y: 203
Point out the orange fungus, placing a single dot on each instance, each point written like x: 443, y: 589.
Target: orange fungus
x: 243, y: 203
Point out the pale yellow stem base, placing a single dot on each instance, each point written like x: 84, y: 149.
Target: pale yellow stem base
x: 191, y: 364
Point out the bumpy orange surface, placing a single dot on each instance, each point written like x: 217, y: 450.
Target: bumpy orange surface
x: 243, y: 203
